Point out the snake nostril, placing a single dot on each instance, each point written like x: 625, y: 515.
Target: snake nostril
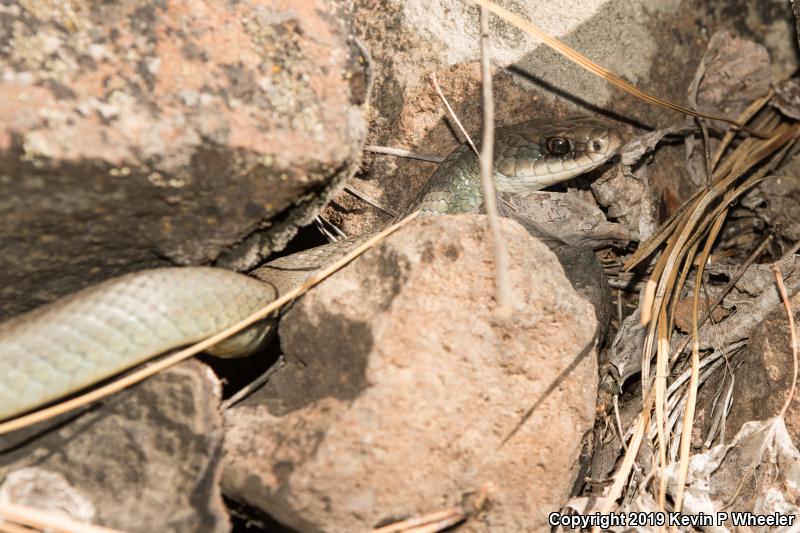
x: 596, y: 146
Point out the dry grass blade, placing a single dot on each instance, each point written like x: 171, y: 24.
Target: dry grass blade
x: 431, y: 522
x: 679, y: 252
x: 792, y: 336
x: 746, y: 185
x: 399, y: 152
x: 679, y: 217
x: 170, y: 360
x: 7, y: 527
x: 746, y: 115
x: 694, y: 219
x: 486, y: 160
x: 669, y: 227
x: 691, y: 402
x: 660, y: 403
x: 693, y: 227
x: 596, y: 69
x: 42, y: 520
x: 700, y: 220
x: 726, y: 289
x: 366, y: 199
x: 621, y: 476
x: 435, y: 83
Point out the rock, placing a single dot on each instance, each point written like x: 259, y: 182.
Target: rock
x: 136, y: 134
x: 682, y: 315
x: 571, y: 228
x: 750, y: 349
x: 654, y: 45
x: 47, y: 491
x: 567, y: 217
x: 776, y: 204
x: 629, y: 200
x: 588, y: 278
x: 764, y: 376
x: 147, y: 459
x: 732, y: 74
x: 402, y: 382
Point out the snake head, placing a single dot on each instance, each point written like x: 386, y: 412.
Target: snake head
x: 540, y: 153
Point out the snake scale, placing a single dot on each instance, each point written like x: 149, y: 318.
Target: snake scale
x: 105, y: 329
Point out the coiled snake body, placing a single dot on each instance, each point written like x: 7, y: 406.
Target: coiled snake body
x: 98, y: 332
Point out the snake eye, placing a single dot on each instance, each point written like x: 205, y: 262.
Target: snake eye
x: 558, y: 145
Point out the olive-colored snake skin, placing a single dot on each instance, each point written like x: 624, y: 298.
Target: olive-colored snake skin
x: 105, y: 329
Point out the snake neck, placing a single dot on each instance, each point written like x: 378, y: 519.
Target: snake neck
x: 454, y: 187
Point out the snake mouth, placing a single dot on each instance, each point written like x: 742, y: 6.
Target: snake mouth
x: 558, y: 171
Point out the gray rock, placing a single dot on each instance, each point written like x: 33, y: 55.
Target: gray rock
x: 137, y: 134
x: 567, y: 217
x: 145, y: 460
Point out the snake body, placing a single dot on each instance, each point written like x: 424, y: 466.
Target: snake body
x: 107, y: 328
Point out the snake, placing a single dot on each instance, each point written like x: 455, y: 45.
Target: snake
x: 105, y: 329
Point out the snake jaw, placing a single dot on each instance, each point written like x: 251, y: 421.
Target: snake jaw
x: 591, y: 143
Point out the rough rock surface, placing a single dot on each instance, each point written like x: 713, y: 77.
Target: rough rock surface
x: 655, y: 45
x: 568, y: 218
x: 146, y: 460
x: 402, y: 381
x: 134, y: 134
x: 571, y: 229
x: 776, y: 202
x: 764, y: 378
x: 49, y: 491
